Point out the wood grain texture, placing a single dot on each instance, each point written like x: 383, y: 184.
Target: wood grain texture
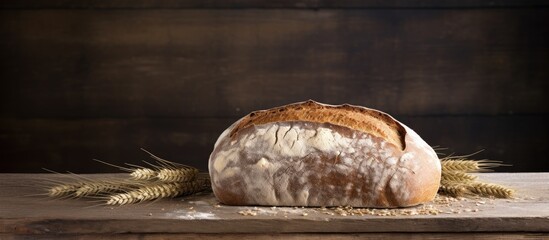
x: 525, y: 216
x: 287, y: 236
x: 300, y: 4
x: 220, y: 63
x: 28, y: 145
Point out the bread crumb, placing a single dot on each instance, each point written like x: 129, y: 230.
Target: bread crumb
x: 440, y: 205
x: 248, y: 212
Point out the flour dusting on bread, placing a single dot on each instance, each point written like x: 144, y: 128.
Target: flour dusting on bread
x: 303, y: 160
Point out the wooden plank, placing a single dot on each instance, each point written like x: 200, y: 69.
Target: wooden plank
x: 288, y: 236
x: 221, y: 63
x: 27, y: 145
x: 24, y: 214
x: 301, y: 4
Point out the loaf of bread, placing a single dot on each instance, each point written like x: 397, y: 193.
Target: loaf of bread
x: 313, y: 154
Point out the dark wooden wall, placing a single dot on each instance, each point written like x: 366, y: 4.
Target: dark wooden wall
x: 100, y: 79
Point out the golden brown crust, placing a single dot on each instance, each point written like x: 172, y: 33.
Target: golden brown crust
x: 357, y: 118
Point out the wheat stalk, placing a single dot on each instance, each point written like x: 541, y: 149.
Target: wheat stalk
x: 490, y: 189
x: 456, y: 176
x: 456, y: 181
x: 164, y: 179
x: 123, y: 198
x: 162, y: 170
x: 454, y: 189
x: 174, y: 189
x: 103, y: 186
x: 167, y: 171
x: 158, y: 190
x: 459, y: 165
x: 466, y: 165
x: 183, y: 174
x: 143, y: 174
x: 136, y: 172
x: 63, y: 190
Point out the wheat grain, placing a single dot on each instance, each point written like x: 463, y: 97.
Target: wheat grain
x: 143, y: 174
x: 489, y: 189
x: 182, y: 174
x: 456, y: 176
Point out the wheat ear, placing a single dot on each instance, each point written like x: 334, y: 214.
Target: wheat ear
x: 123, y: 198
x: 158, y: 190
x: 456, y: 176
x: 183, y: 174
x: 136, y: 172
x: 456, y: 181
x: 490, y: 189
x: 459, y: 165
x: 465, y: 165
x: 63, y: 190
x: 165, y: 190
x: 103, y: 186
x: 143, y: 174
x: 454, y: 189
x: 168, y: 171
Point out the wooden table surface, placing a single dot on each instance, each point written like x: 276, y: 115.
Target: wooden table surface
x: 25, y: 214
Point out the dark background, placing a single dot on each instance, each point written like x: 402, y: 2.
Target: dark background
x: 100, y: 79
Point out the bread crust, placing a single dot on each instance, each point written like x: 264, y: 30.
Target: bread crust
x: 312, y: 154
x: 358, y: 118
